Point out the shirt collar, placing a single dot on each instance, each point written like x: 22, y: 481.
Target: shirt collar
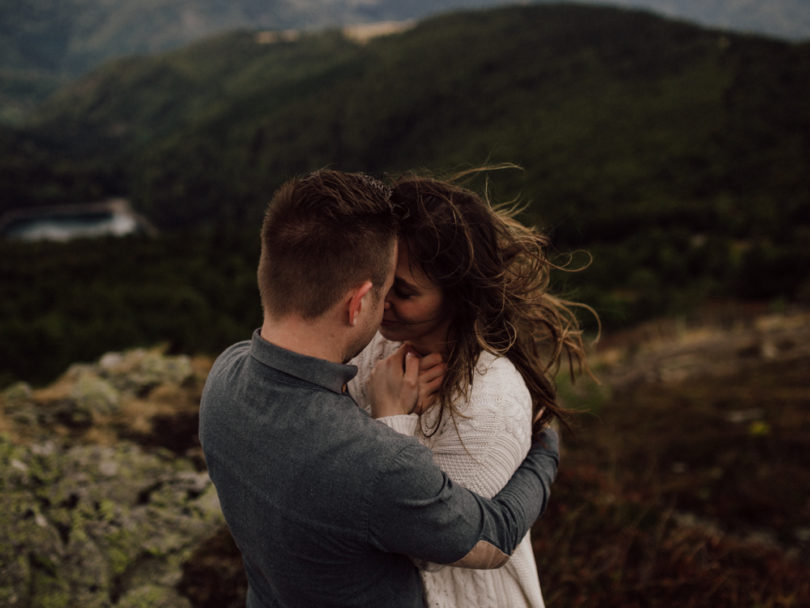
x: 332, y: 376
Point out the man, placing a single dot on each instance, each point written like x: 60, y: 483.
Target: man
x: 327, y: 505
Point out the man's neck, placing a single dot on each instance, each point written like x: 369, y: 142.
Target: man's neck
x: 305, y: 337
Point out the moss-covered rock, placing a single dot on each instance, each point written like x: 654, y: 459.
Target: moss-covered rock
x: 93, y: 396
x: 88, y: 516
x: 86, y: 524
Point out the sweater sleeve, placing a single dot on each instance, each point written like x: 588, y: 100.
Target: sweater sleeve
x: 404, y: 424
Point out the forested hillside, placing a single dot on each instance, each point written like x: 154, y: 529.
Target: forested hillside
x: 676, y: 155
x: 45, y: 43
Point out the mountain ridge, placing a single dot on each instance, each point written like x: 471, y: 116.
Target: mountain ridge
x: 46, y: 43
x: 232, y: 88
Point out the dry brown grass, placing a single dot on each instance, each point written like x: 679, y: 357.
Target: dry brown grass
x: 688, y: 489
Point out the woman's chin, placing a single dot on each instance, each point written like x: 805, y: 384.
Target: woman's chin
x: 393, y: 333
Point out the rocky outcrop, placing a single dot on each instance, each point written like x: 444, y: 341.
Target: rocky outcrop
x: 103, y: 494
x: 98, y: 525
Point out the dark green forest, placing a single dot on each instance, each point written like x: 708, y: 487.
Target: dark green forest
x: 675, y: 155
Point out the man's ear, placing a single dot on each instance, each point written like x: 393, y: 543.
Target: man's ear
x: 356, y: 301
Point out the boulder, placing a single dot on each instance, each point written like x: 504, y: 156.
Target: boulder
x: 99, y: 508
x: 97, y: 525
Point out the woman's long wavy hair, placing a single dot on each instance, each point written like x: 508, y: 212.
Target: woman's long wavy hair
x: 494, y: 274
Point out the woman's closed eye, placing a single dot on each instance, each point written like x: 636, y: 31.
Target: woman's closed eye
x: 402, y: 294
x: 403, y: 290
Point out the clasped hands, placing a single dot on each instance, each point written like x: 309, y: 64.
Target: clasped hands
x: 405, y: 382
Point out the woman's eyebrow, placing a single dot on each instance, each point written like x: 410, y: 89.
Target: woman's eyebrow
x: 403, y: 283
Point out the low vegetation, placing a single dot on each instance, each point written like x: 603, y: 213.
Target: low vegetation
x: 684, y: 483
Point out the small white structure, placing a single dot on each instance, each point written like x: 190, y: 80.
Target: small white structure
x: 113, y: 217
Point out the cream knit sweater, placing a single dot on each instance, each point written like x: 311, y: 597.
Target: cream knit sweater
x: 491, y: 441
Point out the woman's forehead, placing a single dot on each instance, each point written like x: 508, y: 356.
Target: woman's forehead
x: 409, y: 273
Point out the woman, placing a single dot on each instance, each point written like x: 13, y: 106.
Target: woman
x: 470, y: 298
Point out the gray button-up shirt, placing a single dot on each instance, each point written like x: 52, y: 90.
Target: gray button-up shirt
x: 324, y: 502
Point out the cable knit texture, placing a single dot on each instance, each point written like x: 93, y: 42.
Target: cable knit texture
x: 481, y: 452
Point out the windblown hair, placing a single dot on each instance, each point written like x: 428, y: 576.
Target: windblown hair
x: 322, y: 235
x: 494, y: 275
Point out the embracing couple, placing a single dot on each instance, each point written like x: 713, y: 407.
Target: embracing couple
x: 383, y: 439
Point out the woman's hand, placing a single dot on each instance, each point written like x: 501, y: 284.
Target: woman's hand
x: 393, y: 387
x: 431, y: 375
x: 405, y: 383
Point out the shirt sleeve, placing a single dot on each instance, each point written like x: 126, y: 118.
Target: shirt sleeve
x: 417, y: 510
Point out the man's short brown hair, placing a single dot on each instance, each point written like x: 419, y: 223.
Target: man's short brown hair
x: 322, y: 235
